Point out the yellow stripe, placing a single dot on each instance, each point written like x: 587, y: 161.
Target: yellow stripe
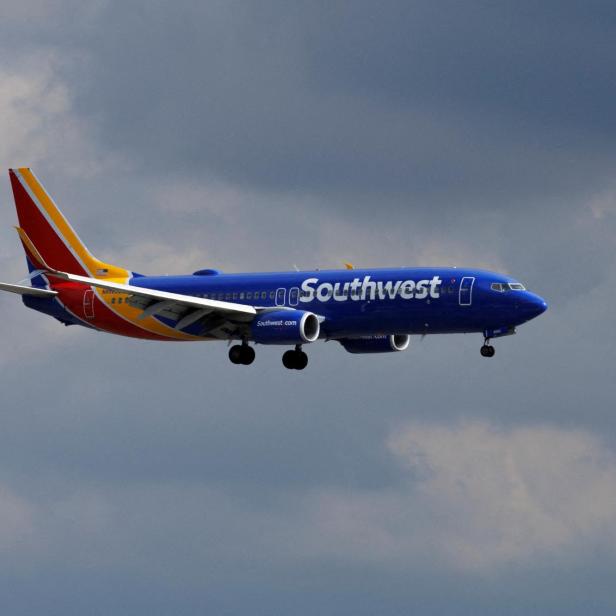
x: 150, y: 324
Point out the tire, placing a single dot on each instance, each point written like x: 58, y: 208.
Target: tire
x: 235, y: 354
x: 247, y: 355
x: 301, y: 361
x: 288, y: 360
x: 487, y: 351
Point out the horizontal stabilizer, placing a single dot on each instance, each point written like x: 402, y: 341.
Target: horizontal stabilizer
x: 25, y: 290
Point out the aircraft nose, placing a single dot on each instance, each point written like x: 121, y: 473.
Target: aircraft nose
x: 535, y: 305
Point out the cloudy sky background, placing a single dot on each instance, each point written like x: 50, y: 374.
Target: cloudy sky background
x: 144, y: 478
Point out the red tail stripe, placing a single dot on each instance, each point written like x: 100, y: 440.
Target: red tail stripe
x: 42, y: 234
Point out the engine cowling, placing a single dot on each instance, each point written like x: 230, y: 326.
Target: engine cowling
x: 376, y: 344
x: 286, y: 327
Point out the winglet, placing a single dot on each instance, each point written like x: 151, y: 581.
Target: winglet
x: 349, y: 266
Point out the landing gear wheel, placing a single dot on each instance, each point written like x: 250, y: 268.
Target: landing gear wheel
x: 241, y: 354
x: 288, y: 360
x: 248, y: 355
x: 487, y: 351
x: 302, y: 360
x: 295, y: 360
x: 235, y: 354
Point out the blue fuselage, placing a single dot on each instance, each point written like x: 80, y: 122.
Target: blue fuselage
x: 373, y: 301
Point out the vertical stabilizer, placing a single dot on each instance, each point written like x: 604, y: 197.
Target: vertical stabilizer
x: 48, y: 238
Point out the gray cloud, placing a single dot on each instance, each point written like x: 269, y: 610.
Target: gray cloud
x: 145, y: 478
x: 489, y: 105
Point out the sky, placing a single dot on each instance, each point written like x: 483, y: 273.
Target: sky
x: 151, y: 478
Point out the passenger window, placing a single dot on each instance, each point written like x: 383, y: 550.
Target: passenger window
x: 263, y: 295
x: 271, y: 295
x: 228, y: 296
x: 249, y: 295
x: 235, y: 296
x: 113, y: 300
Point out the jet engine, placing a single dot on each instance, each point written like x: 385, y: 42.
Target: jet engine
x: 376, y: 344
x: 285, y: 327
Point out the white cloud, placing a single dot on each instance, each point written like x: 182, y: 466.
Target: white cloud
x: 37, y: 125
x: 32, y: 103
x: 512, y: 495
x: 37, y: 121
x: 476, y: 498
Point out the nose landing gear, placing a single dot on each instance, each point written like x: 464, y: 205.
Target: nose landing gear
x: 487, y: 350
x: 296, y: 359
x: 242, y: 354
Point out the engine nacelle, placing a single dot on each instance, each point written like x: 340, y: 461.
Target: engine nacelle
x: 285, y: 327
x: 376, y: 344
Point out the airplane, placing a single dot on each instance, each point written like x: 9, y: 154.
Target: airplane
x: 365, y: 310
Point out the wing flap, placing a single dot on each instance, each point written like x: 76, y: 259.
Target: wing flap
x: 192, y: 317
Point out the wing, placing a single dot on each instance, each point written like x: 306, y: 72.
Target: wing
x: 217, y: 319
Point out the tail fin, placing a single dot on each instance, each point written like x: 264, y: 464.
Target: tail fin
x: 48, y: 239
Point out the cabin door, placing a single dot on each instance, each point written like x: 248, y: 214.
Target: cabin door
x: 466, y: 291
x: 88, y: 304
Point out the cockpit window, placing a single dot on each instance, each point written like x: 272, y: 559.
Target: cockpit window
x: 502, y: 287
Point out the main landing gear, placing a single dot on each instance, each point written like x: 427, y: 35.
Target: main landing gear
x: 487, y: 350
x: 296, y: 359
x: 242, y: 354
x: 245, y: 355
